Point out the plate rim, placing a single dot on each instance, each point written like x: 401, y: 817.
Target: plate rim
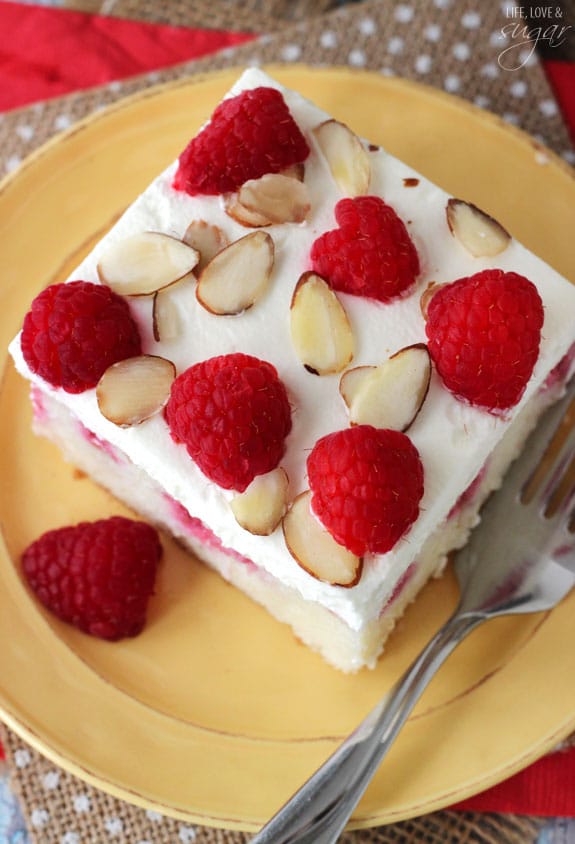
x: 24, y: 729
x: 158, y: 89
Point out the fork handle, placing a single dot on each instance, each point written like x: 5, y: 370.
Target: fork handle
x: 319, y: 811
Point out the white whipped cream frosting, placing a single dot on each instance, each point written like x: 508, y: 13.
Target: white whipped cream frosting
x: 453, y: 438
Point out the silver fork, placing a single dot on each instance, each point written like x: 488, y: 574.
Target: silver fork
x: 520, y: 559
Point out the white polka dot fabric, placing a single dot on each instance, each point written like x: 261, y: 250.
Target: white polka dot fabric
x: 455, y: 45
x: 61, y: 809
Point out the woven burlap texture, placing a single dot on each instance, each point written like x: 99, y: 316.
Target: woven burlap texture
x: 372, y: 35
x: 246, y: 16
x: 61, y: 809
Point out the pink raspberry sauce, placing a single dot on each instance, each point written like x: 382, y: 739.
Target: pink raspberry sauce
x: 198, y: 530
x: 42, y: 415
x: 103, y: 445
x: 468, y: 494
x: 38, y: 406
x: 560, y: 372
x: 400, y: 586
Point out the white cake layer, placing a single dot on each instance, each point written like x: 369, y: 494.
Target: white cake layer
x: 453, y: 438
x: 343, y: 647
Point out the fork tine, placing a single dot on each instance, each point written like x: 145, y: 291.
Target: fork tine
x: 542, y: 436
x: 558, y: 470
x: 564, y: 552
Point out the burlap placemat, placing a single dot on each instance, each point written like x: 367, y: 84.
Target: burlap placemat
x: 61, y: 809
x: 247, y: 16
x: 456, y: 46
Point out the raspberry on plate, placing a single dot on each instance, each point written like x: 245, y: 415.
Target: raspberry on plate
x: 366, y: 486
x: 232, y: 413
x: 370, y: 254
x: 97, y: 576
x: 73, y: 332
x: 247, y: 136
x: 484, y: 333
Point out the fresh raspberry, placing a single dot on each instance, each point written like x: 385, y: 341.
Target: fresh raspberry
x: 247, y: 136
x: 74, y: 332
x: 366, y: 486
x: 484, y: 334
x: 232, y: 413
x: 97, y: 576
x: 370, y: 254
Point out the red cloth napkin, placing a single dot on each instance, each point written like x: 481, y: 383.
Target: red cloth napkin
x: 547, y: 788
x: 561, y: 76
x: 51, y: 52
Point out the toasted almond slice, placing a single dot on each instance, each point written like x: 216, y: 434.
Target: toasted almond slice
x: 479, y: 233
x: 242, y: 215
x: 261, y: 506
x: 206, y: 239
x: 320, y: 330
x: 350, y: 381
x: 295, y: 171
x: 165, y: 317
x: 346, y: 156
x: 391, y: 395
x: 238, y: 275
x: 427, y: 296
x: 134, y: 389
x: 280, y: 199
x: 143, y: 263
x: 315, y: 550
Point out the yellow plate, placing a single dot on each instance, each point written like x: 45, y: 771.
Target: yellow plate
x: 215, y: 714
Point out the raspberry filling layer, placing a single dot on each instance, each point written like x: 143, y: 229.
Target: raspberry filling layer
x: 560, y: 373
x: 468, y: 494
x: 195, y: 528
x: 103, y: 445
x: 399, y: 587
x: 38, y: 407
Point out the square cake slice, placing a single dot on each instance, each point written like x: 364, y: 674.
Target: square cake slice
x: 305, y: 361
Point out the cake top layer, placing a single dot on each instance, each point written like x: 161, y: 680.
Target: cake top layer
x: 305, y: 278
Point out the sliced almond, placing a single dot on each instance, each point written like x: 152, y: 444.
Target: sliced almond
x: 315, y: 549
x: 134, y: 389
x: 346, y: 157
x: 350, y: 381
x: 238, y: 275
x: 143, y: 263
x: 277, y: 198
x: 391, y: 395
x: 206, y: 239
x: 253, y: 213
x: 427, y: 296
x: 261, y: 506
x: 479, y: 233
x: 165, y: 317
x: 242, y: 215
x: 295, y: 171
x: 320, y: 330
